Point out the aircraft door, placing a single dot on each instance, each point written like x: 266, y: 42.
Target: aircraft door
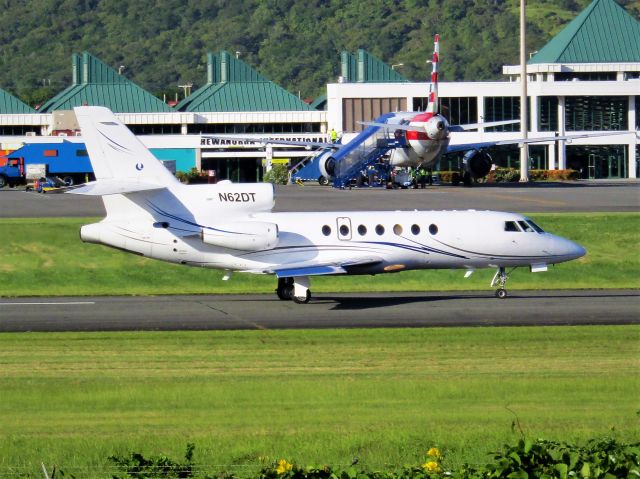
x: 344, y: 228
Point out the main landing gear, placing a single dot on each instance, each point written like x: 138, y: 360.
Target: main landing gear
x: 294, y: 288
x: 500, y: 280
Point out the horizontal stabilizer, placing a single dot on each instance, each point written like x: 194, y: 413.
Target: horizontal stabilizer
x: 485, y: 124
x: 113, y: 187
x: 393, y: 126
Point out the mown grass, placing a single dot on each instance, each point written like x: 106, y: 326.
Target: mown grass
x: 314, y: 397
x: 46, y: 257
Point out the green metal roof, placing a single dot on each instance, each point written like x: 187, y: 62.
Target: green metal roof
x: 603, y: 33
x: 95, y: 83
x: 366, y: 68
x: 232, y: 85
x: 9, y: 104
x: 319, y: 103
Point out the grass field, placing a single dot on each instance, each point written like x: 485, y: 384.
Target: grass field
x: 314, y: 397
x: 46, y: 257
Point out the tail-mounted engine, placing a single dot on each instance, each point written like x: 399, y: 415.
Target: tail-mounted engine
x: 242, y: 235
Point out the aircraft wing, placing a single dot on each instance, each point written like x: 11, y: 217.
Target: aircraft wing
x: 274, y: 141
x: 317, y: 268
x: 520, y: 141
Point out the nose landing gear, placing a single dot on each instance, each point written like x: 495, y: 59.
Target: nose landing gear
x: 500, y: 280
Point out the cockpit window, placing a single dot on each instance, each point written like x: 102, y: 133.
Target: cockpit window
x: 534, y: 226
x: 511, y: 226
x: 526, y: 227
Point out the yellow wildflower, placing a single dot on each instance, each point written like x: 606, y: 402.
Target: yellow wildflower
x: 433, y: 452
x: 431, y: 466
x: 283, y: 466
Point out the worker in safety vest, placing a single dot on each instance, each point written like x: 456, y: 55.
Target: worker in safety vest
x: 422, y: 176
x: 334, y: 135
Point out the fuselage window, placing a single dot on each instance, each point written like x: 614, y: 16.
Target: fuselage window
x: 415, y: 229
x: 511, y: 226
x: 362, y: 230
x: 433, y: 229
x: 525, y: 227
x: 534, y: 226
x: 397, y: 229
x: 326, y: 230
x: 380, y: 230
x: 344, y: 230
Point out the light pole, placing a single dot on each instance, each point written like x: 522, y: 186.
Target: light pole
x: 524, y: 104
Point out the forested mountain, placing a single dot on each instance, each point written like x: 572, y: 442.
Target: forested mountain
x: 296, y: 43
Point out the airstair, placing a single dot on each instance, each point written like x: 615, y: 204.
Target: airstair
x: 363, y: 150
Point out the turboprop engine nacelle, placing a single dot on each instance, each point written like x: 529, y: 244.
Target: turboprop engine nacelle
x: 477, y: 163
x: 244, y: 236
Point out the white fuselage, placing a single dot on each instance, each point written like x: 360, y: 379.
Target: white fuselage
x: 169, y: 226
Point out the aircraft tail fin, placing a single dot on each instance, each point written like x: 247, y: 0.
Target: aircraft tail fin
x: 115, y: 153
x: 432, y: 107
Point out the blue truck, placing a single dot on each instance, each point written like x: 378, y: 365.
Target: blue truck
x: 65, y: 161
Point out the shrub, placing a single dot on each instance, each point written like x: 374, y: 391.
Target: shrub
x: 192, y: 176
x: 506, y: 175
x: 278, y: 175
x: 598, y: 459
x: 449, y: 176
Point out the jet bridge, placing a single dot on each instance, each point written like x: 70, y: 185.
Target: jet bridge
x: 365, y: 149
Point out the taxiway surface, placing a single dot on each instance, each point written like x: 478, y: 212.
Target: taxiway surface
x: 233, y: 312
x: 577, y: 196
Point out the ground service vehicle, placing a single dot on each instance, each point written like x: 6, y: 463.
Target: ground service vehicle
x: 65, y: 160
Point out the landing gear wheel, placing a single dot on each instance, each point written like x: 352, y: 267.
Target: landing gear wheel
x: 500, y: 280
x: 301, y: 300
x: 285, y: 289
x: 323, y: 180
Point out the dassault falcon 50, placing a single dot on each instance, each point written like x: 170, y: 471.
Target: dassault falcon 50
x: 231, y: 226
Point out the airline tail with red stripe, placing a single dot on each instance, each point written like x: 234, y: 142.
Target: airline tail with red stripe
x: 432, y: 107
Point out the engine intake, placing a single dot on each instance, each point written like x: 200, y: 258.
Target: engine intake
x: 477, y: 163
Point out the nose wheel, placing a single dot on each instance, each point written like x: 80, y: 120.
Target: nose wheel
x: 500, y: 280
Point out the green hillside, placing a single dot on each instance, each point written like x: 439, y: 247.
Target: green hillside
x: 295, y: 43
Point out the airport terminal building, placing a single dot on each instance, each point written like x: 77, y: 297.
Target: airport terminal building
x: 583, y: 80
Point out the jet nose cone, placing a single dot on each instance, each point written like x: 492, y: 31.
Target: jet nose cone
x: 568, y: 250
x: 578, y: 251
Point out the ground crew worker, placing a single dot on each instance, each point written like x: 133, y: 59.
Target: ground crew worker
x: 422, y: 176
x: 334, y: 135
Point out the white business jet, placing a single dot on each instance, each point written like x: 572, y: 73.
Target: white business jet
x: 231, y: 227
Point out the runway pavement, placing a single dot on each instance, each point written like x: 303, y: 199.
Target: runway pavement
x: 573, y: 196
x: 341, y: 310
x: 233, y: 312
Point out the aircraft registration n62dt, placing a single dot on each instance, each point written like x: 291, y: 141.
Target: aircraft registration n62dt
x: 231, y: 226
